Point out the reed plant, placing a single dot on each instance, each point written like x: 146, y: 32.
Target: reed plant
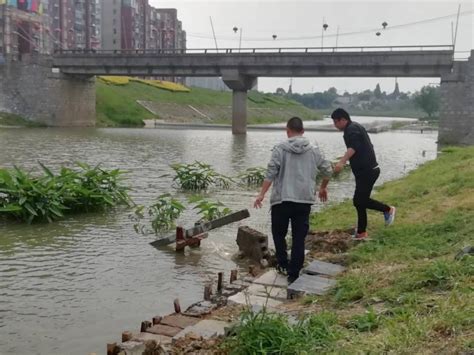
x: 48, y: 197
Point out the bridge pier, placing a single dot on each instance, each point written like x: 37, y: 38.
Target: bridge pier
x: 456, y: 124
x: 32, y: 90
x: 239, y: 84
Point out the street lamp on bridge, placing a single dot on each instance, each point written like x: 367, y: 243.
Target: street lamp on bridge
x: 235, y: 29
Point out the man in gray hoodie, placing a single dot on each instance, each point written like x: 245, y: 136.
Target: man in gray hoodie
x: 292, y: 170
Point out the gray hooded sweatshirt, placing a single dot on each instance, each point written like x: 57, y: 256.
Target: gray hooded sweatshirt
x: 293, y: 168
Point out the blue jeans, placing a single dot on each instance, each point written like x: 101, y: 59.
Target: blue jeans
x: 298, y: 214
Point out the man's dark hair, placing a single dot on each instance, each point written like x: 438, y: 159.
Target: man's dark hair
x: 295, y: 124
x: 340, y: 113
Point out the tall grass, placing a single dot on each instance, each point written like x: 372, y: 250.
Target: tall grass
x: 48, y: 197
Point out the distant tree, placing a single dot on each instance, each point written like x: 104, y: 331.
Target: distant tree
x: 346, y: 93
x: 280, y: 91
x: 364, y: 95
x: 377, y: 91
x: 396, y: 92
x: 428, y: 100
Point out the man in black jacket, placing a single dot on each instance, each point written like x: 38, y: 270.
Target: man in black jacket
x: 360, y: 153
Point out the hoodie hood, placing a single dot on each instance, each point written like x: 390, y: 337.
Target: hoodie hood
x: 296, y: 145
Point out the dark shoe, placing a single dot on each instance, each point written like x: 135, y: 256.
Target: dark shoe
x: 291, y: 279
x: 281, y: 270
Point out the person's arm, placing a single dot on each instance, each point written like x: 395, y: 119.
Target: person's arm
x: 323, y: 191
x: 340, y: 165
x: 272, y: 171
x: 265, y: 186
x: 324, y: 166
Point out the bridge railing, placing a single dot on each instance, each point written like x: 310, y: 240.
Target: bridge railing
x: 238, y: 51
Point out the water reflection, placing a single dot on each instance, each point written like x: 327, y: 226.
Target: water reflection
x: 72, y: 286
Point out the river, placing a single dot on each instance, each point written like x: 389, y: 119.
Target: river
x: 72, y: 286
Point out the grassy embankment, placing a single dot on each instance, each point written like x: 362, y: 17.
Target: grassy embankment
x: 404, y: 292
x: 117, y: 105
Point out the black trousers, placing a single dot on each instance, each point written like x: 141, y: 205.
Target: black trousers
x: 298, y: 214
x: 364, y: 184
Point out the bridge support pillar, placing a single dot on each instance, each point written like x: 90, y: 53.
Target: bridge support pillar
x: 456, y: 124
x: 33, y: 91
x: 239, y: 84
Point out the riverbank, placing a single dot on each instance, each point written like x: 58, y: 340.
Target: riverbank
x: 404, y: 291
x: 12, y: 120
x: 131, y: 104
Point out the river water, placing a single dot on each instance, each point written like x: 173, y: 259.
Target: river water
x: 72, y: 286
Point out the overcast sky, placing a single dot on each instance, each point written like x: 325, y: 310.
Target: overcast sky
x: 298, y: 23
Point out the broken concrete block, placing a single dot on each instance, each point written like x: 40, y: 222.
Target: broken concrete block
x: 253, y: 244
x: 273, y: 292
x: 164, y: 330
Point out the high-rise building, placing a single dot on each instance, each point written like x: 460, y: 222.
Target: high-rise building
x: 22, y: 29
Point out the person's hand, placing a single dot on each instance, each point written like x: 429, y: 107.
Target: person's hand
x: 338, y: 167
x: 258, y: 201
x: 323, y: 194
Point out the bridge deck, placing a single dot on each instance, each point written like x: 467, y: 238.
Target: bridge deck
x: 408, y: 61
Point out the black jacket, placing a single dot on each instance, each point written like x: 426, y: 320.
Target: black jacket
x: 356, y: 137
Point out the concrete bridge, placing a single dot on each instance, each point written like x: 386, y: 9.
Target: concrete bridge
x: 240, y: 68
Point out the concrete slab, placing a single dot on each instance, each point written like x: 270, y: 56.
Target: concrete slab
x: 310, y: 285
x: 317, y: 267
x: 179, y: 321
x: 143, y: 337
x: 248, y: 299
x: 200, y: 309
x: 164, y: 330
x: 273, y: 292
x: 272, y: 278
x: 206, y: 328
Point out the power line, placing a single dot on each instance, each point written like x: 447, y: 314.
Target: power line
x: 301, y: 38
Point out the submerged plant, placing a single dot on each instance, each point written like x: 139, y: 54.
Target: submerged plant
x: 253, y: 176
x: 198, y: 176
x: 163, y: 214
x: 209, y: 210
x: 49, y: 197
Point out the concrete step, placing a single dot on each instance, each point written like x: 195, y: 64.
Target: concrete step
x: 206, y: 328
x: 309, y: 285
x: 318, y: 267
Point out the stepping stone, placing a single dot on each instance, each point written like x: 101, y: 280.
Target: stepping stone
x: 206, y: 328
x: 317, y: 267
x: 310, y: 285
x: 273, y: 292
x: 251, y: 300
x: 272, y: 278
x: 179, y: 321
x: 164, y: 330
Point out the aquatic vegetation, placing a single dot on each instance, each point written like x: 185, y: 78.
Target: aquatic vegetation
x: 49, y: 197
x: 199, y: 176
x: 253, y: 176
x: 209, y: 210
x: 163, y: 214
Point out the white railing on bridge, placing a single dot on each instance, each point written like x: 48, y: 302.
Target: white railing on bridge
x: 238, y: 51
